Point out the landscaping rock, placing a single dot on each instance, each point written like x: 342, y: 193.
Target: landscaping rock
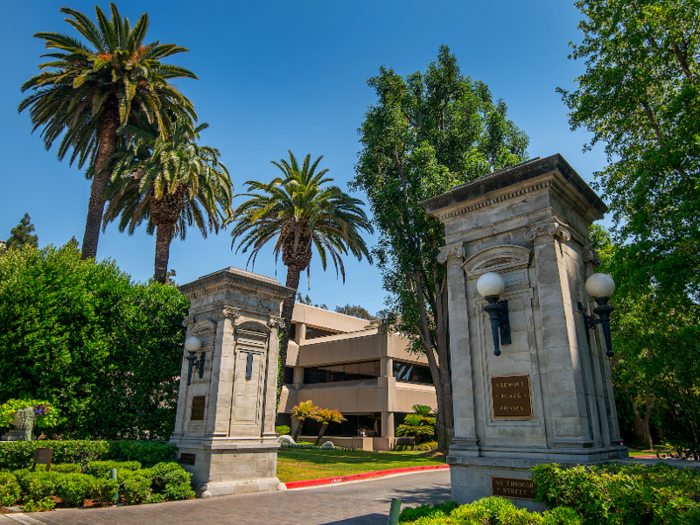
x: 285, y: 440
x: 328, y: 445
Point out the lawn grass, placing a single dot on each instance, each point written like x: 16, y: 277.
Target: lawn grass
x: 300, y: 464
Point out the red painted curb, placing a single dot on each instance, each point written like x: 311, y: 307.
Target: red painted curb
x: 357, y: 477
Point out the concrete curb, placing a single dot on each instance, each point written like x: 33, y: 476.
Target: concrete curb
x: 358, y: 477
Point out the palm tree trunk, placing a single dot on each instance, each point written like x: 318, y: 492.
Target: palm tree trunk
x: 107, y: 148
x: 320, y: 434
x: 164, y: 234
x: 293, y: 273
x: 297, y: 432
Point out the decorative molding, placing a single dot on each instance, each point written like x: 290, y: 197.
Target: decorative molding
x: 275, y: 322
x: 188, y: 320
x: 228, y: 312
x: 248, y: 290
x: 495, y: 200
x: 591, y: 256
x: 449, y: 251
x: 499, y: 259
x: 205, y: 326
x: 553, y: 227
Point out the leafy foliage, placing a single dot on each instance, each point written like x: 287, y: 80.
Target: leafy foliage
x: 300, y: 413
x: 86, y: 92
x: 22, y: 234
x: 325, y: 416
x: 419, y: 425
x: 105, y: 351
x: 45, y: 415
x: 355, y: 310
x: 621, y: 494
x: 427, y: 133
x: 639, y: 96
x: 10, y: 490
x: 171, y: 183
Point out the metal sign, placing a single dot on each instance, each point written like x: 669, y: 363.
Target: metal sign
x: 518, y: 488
x: 510, y: 397
x: 198, y: 404
x: 187, y: 459
x: 43, y: 456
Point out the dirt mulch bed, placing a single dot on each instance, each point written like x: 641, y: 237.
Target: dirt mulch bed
x: 441, y: 453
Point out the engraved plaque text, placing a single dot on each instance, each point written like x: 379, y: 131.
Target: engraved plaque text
x: 198, y: 403
x: 510, y: 396
x: 43, y: 456
x: 187, y: 459
x: 517, y: 488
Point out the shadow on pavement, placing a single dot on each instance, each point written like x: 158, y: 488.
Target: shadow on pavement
x: 369, y: 519
x: 420, y: 495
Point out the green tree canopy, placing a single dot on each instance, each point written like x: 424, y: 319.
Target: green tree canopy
x: 22, y: 234
x: 86, y: 92
x: 105, y: 351
x: 355, y: 310
x: 427, y: 133
x: 639, y: 96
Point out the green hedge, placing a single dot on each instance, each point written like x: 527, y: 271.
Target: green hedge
x: 20, y: 454
x: 164, y: 481
x: 488, y: 511
x: 622, y: 493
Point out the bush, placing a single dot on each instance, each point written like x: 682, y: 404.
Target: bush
x: 10, y: 489
x: 39, y: 506
x: 282, y: 430
x: 135, y: 486
x: 104, y: 489
x: 64, y: 468
x: 172, y: 481
x: 23, y: 477
x: 616, y: 493
x: 83, y: 332
x: 487, y: 511
x: 74, y: 489
x: 101, y: 469
x: 42, y: 485
x: 20, y: 454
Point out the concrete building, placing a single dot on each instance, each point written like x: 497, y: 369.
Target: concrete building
x: 352, y: 365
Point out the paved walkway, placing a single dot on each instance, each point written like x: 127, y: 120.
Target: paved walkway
x: 363, y: 503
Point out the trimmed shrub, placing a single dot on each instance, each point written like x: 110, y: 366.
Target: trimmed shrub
x: 64, y: 468
x: 23, y: 477
x: 100, y: 469
x: 172, y: 481
x: 42, y: 484
x: 104, y: 489
x: 622, y: 493
x: 20, y: 454
x: 135, y: 486
x: 282, y: 430
x: 42, y: 505
x: 10, y: 489
x: 74, y: 489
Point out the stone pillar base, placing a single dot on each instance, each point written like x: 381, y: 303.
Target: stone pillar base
x: 229, y: 468
x: 16, y: 434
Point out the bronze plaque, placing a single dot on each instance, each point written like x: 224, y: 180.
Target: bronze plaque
x: 510, y: 396
x: 518, y: 488
x: 187, y: 459
x: 43, y: 456
x: 198, y: 404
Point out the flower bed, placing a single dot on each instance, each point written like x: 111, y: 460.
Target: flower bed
x: 73, y: 485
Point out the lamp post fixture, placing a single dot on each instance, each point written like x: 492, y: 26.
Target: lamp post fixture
x: 490, y: 285
x: 600, y: 286
x: 192, y: 345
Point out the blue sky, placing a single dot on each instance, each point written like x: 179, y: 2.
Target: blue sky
x: 279, y: 75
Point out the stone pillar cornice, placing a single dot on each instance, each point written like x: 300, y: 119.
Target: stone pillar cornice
x: 591, y: 256
x: 450, y: 251
x: 549, y: 227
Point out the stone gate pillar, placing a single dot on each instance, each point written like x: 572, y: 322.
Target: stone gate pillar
x: 225, y: 424
x: 528, y: 223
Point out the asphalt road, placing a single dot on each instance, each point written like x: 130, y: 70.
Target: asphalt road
x: 355, y: 503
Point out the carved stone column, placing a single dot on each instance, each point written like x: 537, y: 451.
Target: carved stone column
x: 224, y: 429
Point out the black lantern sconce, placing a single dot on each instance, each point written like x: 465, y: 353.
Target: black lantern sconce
x: 600, y: 286
x: 490, y: 285
x: 192, y: 345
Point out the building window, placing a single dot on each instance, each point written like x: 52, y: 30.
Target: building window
x: 342, y: 372
x: 411, y: 373
x: 288, y: 375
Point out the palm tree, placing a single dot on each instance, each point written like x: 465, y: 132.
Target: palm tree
x: 87, y: 92
x: 302, y: 412
x: 298, y: 213
x: 171, y: 183
x: 326, y: 416
x: 419, y: 425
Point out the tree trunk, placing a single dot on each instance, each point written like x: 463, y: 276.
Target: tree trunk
x: 164, y: 234
x: 293, y: 273
x: 320, y: 434
x: 100, y: 180
x: 297, y: 432
x: 641, y: 425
